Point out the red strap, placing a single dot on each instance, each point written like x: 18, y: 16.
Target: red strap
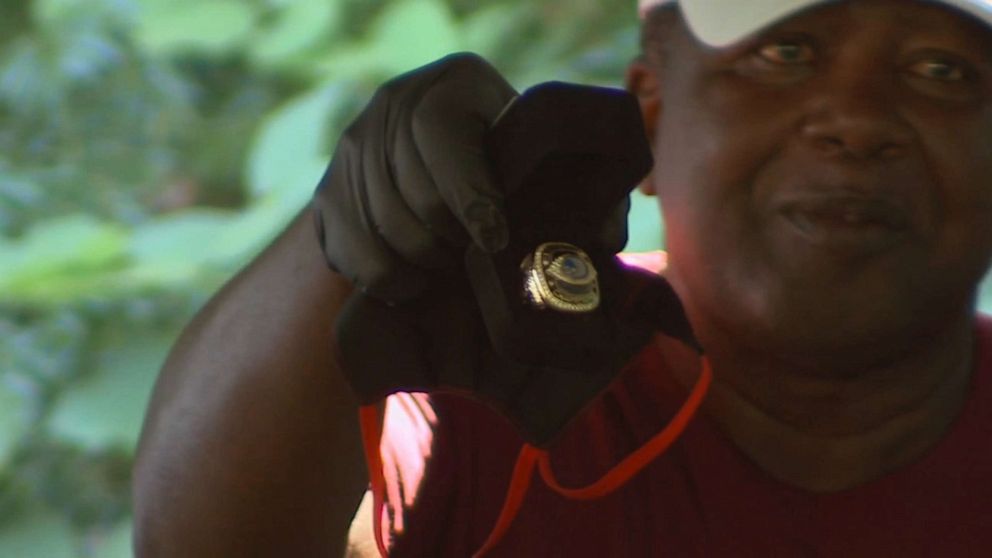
x: 519, y: 483
x: 633, y: 463
x: 613, y: 479
x: 371, y: 422
x: 616, y: 477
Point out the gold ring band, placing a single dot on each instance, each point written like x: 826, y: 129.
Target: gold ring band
x: 560, y: 276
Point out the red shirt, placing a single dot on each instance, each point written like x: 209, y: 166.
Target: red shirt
x: 702, y: 498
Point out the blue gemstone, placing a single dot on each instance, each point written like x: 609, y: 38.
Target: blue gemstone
x: 574, y: 267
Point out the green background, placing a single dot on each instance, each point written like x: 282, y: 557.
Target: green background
x: 147, y: 149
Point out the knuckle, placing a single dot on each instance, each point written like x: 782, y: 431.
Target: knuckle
x: 471, y: 68
x: 466, y: 61
x: 338, y: 261
x: 373, y: 278
x: 398, y: 86
x: 424, y: 118
x: 391, y: 88
x: 350, y: 140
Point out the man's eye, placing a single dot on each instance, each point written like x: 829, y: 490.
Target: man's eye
x: 786, y: 52
x: 940, y: 70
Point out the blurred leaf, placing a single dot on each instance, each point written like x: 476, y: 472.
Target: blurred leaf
x: 13, y: 420
x: 107, y: 406
x: 88, y: 488
x: 174, y: 248
x: 291, y: 140
x: 88, y: 57
x: 299, y: 25
x: 61, y: 289
x: 58, y: 248
x: 644, y: 224
x: 37, y: 536
x: 39, y: 354
x: 545, y: 58
x: 208, y: 26
x: 27, y: 80
x: 113, y: 544
x: 396, y: 42
x: 19, y: 195
x: 48, y: 10
x: 74, y: 13
x: 484, y: 30
x: 255, y: 228
x: 412, y: 33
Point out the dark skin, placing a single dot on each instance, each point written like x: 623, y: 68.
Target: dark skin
x: 251, y: 446
x: 838, y: 222
x: 828, y: 206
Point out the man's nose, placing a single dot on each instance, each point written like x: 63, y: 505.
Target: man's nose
x: 858, y: 120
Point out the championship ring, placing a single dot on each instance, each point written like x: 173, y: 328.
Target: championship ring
x: 561, y: 277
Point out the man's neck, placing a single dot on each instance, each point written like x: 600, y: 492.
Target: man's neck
x: 827, y: 433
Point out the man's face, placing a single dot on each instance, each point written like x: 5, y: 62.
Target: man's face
x: 827, y: 185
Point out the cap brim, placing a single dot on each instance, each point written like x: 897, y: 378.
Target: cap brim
x: 720, y: 23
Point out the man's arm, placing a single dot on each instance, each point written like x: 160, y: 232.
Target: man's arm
x: 251, y: 444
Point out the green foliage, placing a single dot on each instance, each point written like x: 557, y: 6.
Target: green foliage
x: 147, y: 149
x: 37, y: 535
x: 198, y: 27
x: 13, y: 419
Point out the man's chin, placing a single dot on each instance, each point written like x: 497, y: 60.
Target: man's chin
x: 832, y: 340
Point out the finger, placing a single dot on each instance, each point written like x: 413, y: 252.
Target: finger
x: 394, y: 221
x: 449, y: 126
x: 417, y: 186
x: 350, y: 242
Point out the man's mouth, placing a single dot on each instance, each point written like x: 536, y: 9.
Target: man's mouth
x: 848, y: 223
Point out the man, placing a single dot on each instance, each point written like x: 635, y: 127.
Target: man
x: 827, y: 193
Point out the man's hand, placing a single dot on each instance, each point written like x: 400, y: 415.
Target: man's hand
x: 409, y: 188
x: 410, y: 184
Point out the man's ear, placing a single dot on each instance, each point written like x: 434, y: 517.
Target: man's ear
x: 642, y: 81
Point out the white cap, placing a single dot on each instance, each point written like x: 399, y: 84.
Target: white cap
x: 723, y: 22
